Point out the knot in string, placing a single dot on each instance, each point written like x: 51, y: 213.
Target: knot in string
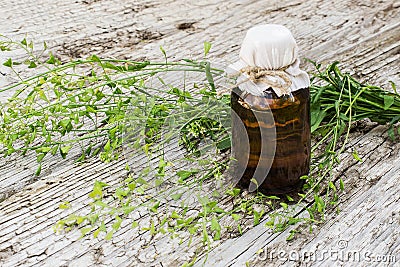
x: 260, y: 75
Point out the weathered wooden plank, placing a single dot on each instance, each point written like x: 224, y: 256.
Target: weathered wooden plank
x: 237, y: 251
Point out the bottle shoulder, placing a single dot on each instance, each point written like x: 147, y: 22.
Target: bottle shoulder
x: 271, y: 101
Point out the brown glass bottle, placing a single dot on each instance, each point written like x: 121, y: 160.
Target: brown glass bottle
x: 278, y: 145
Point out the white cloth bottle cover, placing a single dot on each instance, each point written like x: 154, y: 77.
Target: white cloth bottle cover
x: 269, y: 59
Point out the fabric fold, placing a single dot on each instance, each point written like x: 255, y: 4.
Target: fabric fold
x: 269, y: 47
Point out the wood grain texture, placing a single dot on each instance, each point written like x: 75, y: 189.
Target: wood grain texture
x: 363, y: 35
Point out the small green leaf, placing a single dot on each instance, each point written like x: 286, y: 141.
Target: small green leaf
x: 317, y: 118
x: 97, y: 191
x: 240, y: 229
x: 291, y: 235
x: 158, y: 182
x: 236, y: 217
x: 135, y: 224
x: 95, y: 58
x: 289, y: 198
x: 43, y: 149
x: 175, y: 215
x: 155, y: 207
x: 257, y: 216
x: 225, y: 143
x: 293, y: 221
x: 96, y: 233
x: 107, y: 146
x: 140, y: 180
x: 146, y: 148
x: 121, y: 193
x: 64, y: 151
x: 66, y: 125
x: 215, y: 226
x: 32, y: 65
x: 393, y: 86
x: 205, y: 234
x: 218, y: 210
x: 163, y: 51
x: 233, y: 192
x: 184, y: 174
x: 319, y: 203
x: 332, y: 186
x: 207, y: 47
x: 8, y: 63
x: 153, y: 230
x: 176, y: 196
x: 117, y: 224
x: 356, y: 156
x: 284, y: 205
x: 109, y: 235
x: 128, y: 209
x: 100, y: 203
x: 64, y: 205
x: 388, y: 101
x: 102, y: 227
x: 91, y: 109
x: 86, y: 230
x: 39, y: 158
x: 270, y: 223
x: 38, y: 170
x: 341, y: 184
x: 301, y: 195
x: 51, y: 60
x: 254, y: 181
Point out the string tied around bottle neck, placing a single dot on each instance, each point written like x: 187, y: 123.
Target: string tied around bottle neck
x: 260, y: 75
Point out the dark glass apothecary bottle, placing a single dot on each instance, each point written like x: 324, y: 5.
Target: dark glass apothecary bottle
x: 277, y: 148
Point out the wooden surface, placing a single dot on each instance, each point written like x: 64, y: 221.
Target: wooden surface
x: 363, y: 35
